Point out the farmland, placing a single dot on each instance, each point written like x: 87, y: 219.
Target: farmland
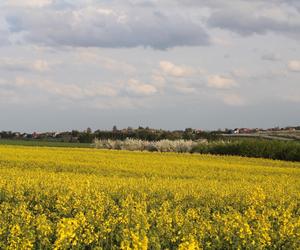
x: 75, y: 198
x: 42, y: 143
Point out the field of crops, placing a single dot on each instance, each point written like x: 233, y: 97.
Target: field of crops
x: 41, y: 143
x: 66, y: 198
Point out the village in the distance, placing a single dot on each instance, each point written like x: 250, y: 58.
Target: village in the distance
x: 150, y: 134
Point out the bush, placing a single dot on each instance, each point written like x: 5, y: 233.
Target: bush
x: 179, y: 146
x: 277, y: 150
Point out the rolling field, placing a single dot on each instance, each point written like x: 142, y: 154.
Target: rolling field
x: 71, y: 198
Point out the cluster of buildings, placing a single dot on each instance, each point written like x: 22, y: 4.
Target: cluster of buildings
x: 257, y: 130
x: 62, y: 136
x: 140, y: 133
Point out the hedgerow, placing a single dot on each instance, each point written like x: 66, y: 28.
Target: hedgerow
x: 270, y: 149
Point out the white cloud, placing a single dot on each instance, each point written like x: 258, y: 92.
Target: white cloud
x: 74, y: 91
x: 82, y: 36
x: 116, y: 103
x: 40, y: 65
x: 294, y: 65
x: 97, y: 96
x: 240, y: 73
x: 71, y: 91
x: 185, y: 89
x: 222, y: 41
x: 22, y: 82
x: 174, y: 70
x: 13, y: 64
x: 220, y: 82
x: 119, y: 66
x: 233, y: 100
x: 77, y: 92
x: 293, y: 98
x: 87, y: 56
x: 138, y: 88
x: 158, y: 80
x: 27, y: 3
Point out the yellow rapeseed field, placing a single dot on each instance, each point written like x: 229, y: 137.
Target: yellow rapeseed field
x: 61, y: 198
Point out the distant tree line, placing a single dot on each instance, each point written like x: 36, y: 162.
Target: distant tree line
x: 140, y: 133
x: 148, y: 134
x: 258, y: 148
x: 208, y: 142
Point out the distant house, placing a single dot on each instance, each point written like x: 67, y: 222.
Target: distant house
x: 273, y: 129
x: 17, y: 134
x: 236, y: 131
x: 27, y: 136
x: 245, y: 131
x: 290, y: 128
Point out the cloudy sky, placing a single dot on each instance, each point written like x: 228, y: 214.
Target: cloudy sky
x: 72, y: 64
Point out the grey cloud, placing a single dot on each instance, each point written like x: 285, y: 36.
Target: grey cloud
x: 156, y: 24
x: 271, y: 57
x: 4, y: 31
x: 294, y: 3
x: 3, y: 40
x: 248, y: 19
x: 218, y: 4
x: 130, y: 85
x: 14, y: 23
x: 245, y: 17
x: 108, y: 28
